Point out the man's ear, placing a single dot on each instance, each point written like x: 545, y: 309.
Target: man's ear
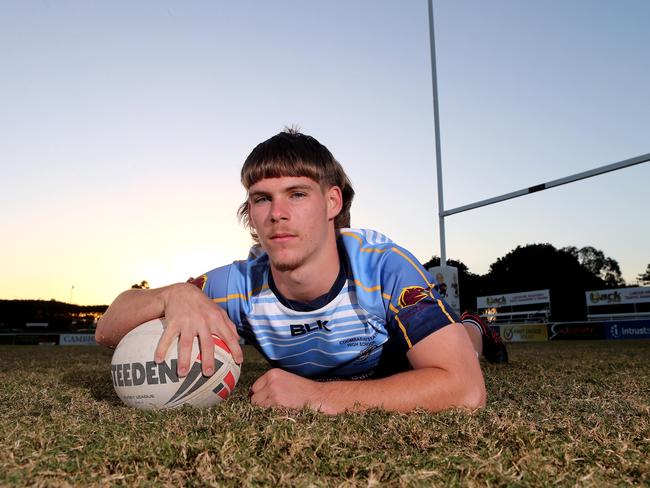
x: 334, y: 197
x: 251, y: 224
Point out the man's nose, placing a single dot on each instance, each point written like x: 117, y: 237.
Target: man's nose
x: 278, y: 211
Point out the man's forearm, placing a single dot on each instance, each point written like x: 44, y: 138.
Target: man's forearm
x: 130, y: 309
x: 446, y: 373
x: 429, y: 388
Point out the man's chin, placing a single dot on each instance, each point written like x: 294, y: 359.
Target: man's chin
x: 286, y: 264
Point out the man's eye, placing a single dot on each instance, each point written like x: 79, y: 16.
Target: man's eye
x: 298, y: 194
x: 261, y: 199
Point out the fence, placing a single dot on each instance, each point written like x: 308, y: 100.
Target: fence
x: 47, y: 339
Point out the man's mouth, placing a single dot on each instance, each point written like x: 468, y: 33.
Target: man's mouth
x: 282, y: 237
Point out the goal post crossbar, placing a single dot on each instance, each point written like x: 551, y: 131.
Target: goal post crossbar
x: 550, y: 184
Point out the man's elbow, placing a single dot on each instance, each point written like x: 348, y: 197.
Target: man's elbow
x: 468, y: 395
x: 475, y: 396
x: 101, y: 337
x: 464, y: 391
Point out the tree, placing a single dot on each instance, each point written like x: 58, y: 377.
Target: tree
x: 143, y: 285
x: 568, y: 273
x: 542, y: 266
x: 644, y: 278
x: 435, y: 261
x: 597, y: 263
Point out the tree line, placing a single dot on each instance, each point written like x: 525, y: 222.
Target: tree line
x: 59, y: 316
x: 567, y: 273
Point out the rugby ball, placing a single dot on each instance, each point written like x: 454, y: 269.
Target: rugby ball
x: 142, y: 383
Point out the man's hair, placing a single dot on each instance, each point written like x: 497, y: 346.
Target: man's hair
x: 291, y: 153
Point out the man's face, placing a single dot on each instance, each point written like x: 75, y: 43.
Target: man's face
x: 293, y: 218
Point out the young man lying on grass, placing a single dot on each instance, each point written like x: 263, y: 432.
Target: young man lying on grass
x: 324, y: 303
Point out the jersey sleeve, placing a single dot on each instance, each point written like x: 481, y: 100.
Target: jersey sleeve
x: 415, y: 308
x: 218, y: 286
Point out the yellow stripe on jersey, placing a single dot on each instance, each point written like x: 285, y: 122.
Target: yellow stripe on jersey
x: 374, y: 288
x: 229, y: 297
x: 363, y: 249
x: 350, y: 234
x: 444, y: 310
x: 406, y: 337
x: 239, y: 295
x: 417, y: 268
x: 265, y: 286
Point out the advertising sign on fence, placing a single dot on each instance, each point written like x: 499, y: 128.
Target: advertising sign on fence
x: 512, y: 299
x: 618, y: 296
x: 576, y: 331
x: 77, y: 340
x: 524, y: 333
x: 628, y: 329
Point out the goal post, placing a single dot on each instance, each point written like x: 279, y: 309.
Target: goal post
x: 442, y: 213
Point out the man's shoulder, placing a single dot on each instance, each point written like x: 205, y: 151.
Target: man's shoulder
x: 238, y: 277
x: 371, y: 252
x: 364, y: 239
x: 370, y: 245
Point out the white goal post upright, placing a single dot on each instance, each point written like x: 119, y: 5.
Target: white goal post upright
x: 436, y: 122
x: 442, y: 213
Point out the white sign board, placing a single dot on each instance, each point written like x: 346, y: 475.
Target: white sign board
x: 447, y: 280
x: 618, y: 296
x: 77, y: 340
x: 512, y: 299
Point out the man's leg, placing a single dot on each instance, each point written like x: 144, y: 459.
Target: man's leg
x: 485, y: 339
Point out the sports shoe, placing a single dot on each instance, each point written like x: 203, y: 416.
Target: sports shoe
x: 494, y: 350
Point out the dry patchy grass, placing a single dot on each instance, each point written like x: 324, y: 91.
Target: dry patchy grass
x: 568, y: 413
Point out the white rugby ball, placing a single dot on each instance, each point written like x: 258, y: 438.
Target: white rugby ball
x: 142, y: 383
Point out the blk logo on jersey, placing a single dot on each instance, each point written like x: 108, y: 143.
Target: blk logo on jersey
x: 300, y: 329
x: 411, y: 295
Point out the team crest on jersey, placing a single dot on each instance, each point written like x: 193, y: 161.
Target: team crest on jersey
x: 199, y: 282
x: 411, y: 295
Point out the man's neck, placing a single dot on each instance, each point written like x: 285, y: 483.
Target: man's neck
x: 311, y: 280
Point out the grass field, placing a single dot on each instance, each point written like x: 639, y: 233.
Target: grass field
x: 568, y: 413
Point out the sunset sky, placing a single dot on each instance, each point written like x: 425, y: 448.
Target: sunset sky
x: 123, y: 127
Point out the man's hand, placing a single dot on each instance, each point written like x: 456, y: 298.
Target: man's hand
x: 279, y: 388
x: 189, y: 314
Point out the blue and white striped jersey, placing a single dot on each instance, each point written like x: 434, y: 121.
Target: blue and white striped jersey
x: 388, y: 302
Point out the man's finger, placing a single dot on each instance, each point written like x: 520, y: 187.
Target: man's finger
x: 206, y: 345
x: 185, y: 343
x: 163, y: 344
x: 260, y: 399
x: 232, y: 341
x: 230, y: 337
x: 259, y: 384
